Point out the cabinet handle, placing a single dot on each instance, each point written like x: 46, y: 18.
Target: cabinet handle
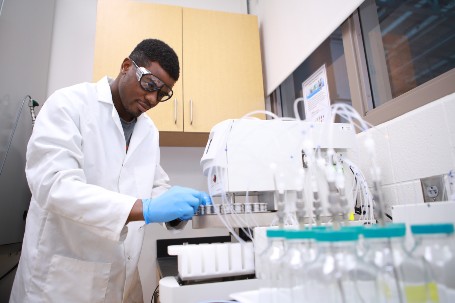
x: 191, y: 112
x: 175, y: 110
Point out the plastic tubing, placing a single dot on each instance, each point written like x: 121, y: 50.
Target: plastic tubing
x: 300, y: 198
x: 358, y: 174
x: 296, y: 109
x: 228, y: 219
x: 350, y: 113
x: 222, y: 218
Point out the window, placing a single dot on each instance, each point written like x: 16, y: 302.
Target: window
x: 331, y: 54
x: 388, y: 58
x: 407, y: 43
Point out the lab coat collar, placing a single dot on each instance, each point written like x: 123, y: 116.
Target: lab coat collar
x: 103, y: 90
x: 142, y: 129
x: 143, y: 124
x: 104, y: 94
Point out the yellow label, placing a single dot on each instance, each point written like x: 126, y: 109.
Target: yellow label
x: 351, y: 216
x: 386, y: 291
x: 422, y: 293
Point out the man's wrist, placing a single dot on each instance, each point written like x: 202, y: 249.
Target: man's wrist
x: 136, y: 213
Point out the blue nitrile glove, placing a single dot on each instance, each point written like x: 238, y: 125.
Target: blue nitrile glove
x: 177, y: 203
x: 205, y: 198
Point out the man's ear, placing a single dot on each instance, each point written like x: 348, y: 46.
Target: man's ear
x: 125, y: 65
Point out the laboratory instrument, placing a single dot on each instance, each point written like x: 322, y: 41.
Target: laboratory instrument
x: 269, y: 178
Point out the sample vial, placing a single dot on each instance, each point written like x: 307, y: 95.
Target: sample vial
x: 338, y: 274
x: 383, y: 248
x: 270, y: 260
x: 433, y: 260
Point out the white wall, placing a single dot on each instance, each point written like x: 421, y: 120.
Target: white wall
x: 25, y: 43
x: 291, y: 30
x: 230, y: 6
x: 73, y: 43
x: 416, y: 145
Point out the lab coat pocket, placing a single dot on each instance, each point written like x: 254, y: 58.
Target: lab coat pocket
x: 73, y: 280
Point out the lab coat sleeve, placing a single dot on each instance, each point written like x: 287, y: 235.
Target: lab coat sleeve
x: 161, y: 182
x: 56, y: 177
x: 160, y: 186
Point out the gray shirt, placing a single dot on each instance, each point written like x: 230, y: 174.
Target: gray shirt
x: 128, y: 128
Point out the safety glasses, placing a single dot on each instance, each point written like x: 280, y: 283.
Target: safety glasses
x: 152, y: 83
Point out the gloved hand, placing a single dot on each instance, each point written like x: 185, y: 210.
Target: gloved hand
x: 205, y: 198
x: 177, y: 203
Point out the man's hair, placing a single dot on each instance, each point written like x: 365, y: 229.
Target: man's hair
x: 154, y: 50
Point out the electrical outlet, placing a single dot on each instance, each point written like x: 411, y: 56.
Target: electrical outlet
x: 433, y: 189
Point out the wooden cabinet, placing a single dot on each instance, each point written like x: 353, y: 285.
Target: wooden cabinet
x: 220, y: 62
x: 121, y: 25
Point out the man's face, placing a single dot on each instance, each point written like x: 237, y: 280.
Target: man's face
x: 133, y: 97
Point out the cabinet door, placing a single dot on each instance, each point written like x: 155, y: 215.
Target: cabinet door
x: 121, y: 25
x: 222, y: 70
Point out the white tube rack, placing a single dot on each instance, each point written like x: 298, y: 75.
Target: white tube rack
x: 205, y: 261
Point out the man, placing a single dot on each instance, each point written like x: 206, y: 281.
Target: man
x: 93, y: 167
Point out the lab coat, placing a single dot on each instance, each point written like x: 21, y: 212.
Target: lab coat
x: 76, y: 246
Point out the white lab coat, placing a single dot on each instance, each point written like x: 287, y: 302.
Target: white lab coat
x: 76, y: 247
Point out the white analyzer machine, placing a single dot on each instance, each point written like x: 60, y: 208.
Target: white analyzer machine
x: 245, y: 160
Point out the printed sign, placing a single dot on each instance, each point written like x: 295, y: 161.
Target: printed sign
x: 316, y: 96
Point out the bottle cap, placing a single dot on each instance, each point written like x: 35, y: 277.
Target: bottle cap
x: 357, y: 228
x: 336, y: 235
x: 444, y: 228
x: 275, y: 233
x: 299, y: 234
x: 394, y: 230
x: 319, y: 227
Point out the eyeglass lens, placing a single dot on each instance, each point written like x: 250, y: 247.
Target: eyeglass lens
x: 151, y: 83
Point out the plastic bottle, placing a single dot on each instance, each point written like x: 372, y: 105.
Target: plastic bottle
x: 300, y: 251
x: 339, y: 275
x: 384, y: 249
x: 434, y: 248
x: 270, y: 260
x: 359, y: 229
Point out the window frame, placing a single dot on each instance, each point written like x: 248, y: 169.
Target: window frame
x: 360, y: 89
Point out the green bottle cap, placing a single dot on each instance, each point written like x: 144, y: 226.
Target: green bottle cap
x: 387, y: 231
x: 421, y: 229
x: 275, y: 233
x: 299, y: 234
x: 336, y: 235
